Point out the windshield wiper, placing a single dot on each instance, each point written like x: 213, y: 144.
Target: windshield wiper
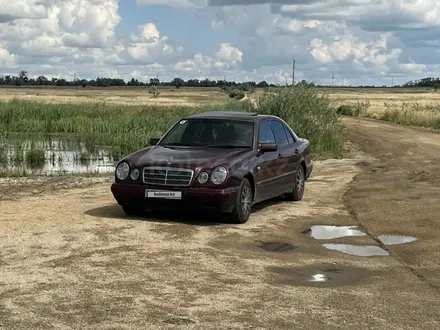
x: 174, y: 145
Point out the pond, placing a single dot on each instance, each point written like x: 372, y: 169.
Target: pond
x: 55, y: 154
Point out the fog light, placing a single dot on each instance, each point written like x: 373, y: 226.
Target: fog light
x: 134, y: 174
x: 203, y: 177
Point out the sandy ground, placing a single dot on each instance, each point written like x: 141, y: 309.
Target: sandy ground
x: 70, y: 258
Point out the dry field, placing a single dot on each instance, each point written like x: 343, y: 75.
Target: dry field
x: 378, y: 98
x: 123, y: 96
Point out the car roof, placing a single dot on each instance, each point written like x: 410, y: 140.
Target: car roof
x: 238, y: 115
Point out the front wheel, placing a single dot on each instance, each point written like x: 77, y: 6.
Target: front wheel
x: 298, y: 188
x: 243, y: 203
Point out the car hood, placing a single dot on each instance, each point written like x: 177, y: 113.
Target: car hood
x: 184, y: 157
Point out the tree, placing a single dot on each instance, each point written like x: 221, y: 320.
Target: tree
x: 42, y: 80
x: 23, y: 77
x: 178, y: 82
x: 436, y: 87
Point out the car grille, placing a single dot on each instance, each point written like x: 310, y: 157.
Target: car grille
x: 167, y: 176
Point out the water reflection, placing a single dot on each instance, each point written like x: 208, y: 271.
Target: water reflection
x: 54, y: 155
x: 396, y: 239
x: 330, y: 232
x: 358, y: 250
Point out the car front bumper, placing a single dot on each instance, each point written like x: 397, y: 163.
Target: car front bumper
x: 222, y: 200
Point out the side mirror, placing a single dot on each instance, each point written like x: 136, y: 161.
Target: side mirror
x: 267, y: 147
x: 154, y: 141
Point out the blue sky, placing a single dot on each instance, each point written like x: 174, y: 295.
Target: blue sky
x: 178, y: 25
x: 359, y: 42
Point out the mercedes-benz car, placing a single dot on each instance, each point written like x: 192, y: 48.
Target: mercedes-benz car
x: 226, y: 161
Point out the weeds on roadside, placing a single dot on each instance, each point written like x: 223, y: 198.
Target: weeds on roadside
x: 358, y: 109
x: 413, y: 114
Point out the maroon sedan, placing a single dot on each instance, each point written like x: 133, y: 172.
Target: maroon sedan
x: 223, y: 160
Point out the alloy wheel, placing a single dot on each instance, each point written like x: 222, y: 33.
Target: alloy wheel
x: 300, y: 182
x: 246, y: 199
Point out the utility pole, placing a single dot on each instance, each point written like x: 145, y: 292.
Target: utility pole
x: 286, y: 82
x: 293, y: 73
x: 392, y: 82
x: 333, y: 79
x: 74, y: 77
x: 342, y: 81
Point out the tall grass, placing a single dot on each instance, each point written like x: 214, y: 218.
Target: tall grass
x: 125, y: 129
x: 413, y: 114
x: 406, y: 113
x: 310, y: 114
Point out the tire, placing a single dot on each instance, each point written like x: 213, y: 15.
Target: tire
x: 299, y: 186
x: 132, y: 210
x: 243, y: 203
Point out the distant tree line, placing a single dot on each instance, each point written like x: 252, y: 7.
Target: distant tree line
x: 23, y: 79
x: 424, y: 82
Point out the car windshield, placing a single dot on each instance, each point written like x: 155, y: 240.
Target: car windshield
x: 211, y: 133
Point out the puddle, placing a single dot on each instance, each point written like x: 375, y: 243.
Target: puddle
x: 358, y: 250
x: 324, y: 275
x: 278, y: 247
x: 330, y: 232
x: 318, y: 278
x: 396, y: 239
x: 54, y: 155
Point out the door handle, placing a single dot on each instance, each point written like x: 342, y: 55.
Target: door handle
x: 280, y: 156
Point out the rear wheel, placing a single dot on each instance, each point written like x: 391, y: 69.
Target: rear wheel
x: 299, y: 186
x: 243, y: 203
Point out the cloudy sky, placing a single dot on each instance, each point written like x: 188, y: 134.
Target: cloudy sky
x: 357, y: 41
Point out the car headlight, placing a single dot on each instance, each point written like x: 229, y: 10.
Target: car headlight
x: 134, y: 175
x: 203, y: 177
x: 219, y: 175
x: 122, y: 171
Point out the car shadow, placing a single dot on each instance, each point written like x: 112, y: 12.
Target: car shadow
x: 114, y: 211
x: 205, y: 218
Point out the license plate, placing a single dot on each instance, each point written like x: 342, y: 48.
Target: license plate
x: 163, y: 194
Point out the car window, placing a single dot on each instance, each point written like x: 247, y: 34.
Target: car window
x: 280, y: 133
x: 266, y: 134
x: 289, y: 135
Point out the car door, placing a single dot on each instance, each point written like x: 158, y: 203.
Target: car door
x: 287, y: 159
x: 265, y: 169
x: 295, y: 147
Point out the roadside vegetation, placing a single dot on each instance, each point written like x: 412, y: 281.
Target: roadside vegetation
x: 310, y: 114
x: 406, y: 113
x: 88, y: 128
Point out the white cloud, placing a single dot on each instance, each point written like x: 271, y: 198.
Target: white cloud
x: 228, y: 53
x: 150, y: 47
x: 6, y: 59
x: 362, y: 40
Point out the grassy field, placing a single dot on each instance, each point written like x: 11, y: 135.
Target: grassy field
x: 122, y: 119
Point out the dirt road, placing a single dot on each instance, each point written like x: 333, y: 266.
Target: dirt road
x: 70, y: 259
